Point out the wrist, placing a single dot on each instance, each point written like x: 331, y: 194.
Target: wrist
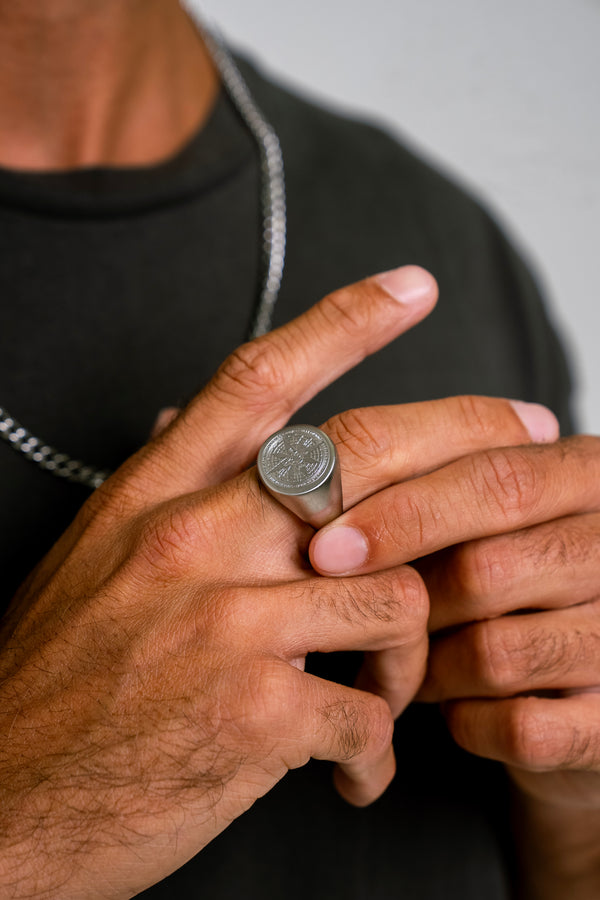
x: 557, y: 849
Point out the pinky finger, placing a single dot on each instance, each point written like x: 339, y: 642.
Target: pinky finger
x: 532, y: 733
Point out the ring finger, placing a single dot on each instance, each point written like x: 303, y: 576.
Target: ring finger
x: 548, y: 566
x: 556, y: 650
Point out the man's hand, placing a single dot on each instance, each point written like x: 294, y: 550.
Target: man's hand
x: 510, y: 547
x: 151, y: 666
x: 522, y: 680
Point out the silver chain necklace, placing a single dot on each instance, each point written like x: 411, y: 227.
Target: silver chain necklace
x: 273, y: 238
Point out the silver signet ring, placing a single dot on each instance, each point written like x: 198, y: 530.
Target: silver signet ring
x: 299, y: 466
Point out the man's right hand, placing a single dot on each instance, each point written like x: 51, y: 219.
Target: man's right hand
x: 152, y: 683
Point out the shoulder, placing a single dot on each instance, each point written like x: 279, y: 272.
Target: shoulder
x: 357, y: 181
x: 362, y: 200
x: 335, y: 151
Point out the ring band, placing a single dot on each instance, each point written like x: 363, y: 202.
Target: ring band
x: 299, y: 466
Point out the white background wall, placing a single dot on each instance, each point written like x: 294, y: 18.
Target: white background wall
x: 506, y: 94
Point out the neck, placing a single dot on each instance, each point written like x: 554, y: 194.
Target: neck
x: 99, y: 82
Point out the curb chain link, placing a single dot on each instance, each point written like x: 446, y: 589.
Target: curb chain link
x: 47, y: 457
x: 274, y: 237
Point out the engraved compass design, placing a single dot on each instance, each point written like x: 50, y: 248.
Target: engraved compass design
x: 296, y: 459
x: 299, y: 467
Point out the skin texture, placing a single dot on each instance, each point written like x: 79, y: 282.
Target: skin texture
x: 151, y: 667
x: 101, y: 82
x: 156, y: 655
x: 507, y: 542
x: 126, y: 743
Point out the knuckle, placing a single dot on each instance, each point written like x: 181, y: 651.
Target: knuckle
x: 381, y: 725
x: 257, y: 372
x: 171, y: 541
x: 479, y: 417
x: 552, y: 654
x: 112, y: 505
x: 269, y: 697
x: 358, y: 601
x: 509, y: 661
x: 360, y: 726
x: 567, y: 545
x: 585, y: 649
x: 494, y: 654
x: 366, y: 599
x: 363, y: 436
x: 527, y: 735
x: 581, y: 750
x: 538, y: 742
x: 394, y: 597
x: 110, y: 500
x: 414, y: 599
x: 481, y: 569
x: 411, y: 520
x: 544, y: 652
x: 235, y: 614
x: 341, y: 312
x: 508, y: 482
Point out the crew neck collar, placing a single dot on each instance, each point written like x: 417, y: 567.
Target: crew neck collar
x: 218, y: 149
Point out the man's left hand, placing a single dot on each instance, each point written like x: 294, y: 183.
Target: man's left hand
x: 509, y: 542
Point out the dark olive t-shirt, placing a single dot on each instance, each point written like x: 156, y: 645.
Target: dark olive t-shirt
x: 122, y: 290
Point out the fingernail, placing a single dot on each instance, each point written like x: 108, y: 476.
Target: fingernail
x: 539, y: 421
x: 408, y: 284
x: 339, y: 550
x: 164, y: 418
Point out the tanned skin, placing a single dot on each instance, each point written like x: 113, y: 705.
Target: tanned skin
x: 100, y: 82
x: 151, y: 668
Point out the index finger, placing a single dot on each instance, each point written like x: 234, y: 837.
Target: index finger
x: 264, y: 382
x: 491, y: 492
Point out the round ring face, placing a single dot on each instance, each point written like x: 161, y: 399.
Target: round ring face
x: 296, y: 459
